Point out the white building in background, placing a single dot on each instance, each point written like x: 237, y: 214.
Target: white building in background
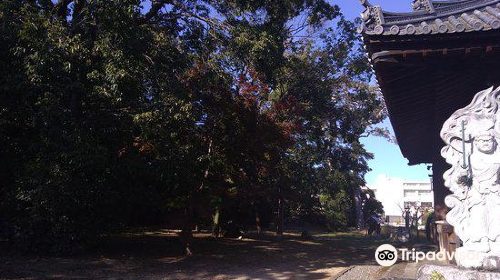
x: 396, y: 194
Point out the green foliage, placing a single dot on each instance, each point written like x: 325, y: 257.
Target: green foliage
x: 114, y: 117
x: 372, y: 207
x: 335, y: 210
x: 428, y: 219
x: 437, y: 276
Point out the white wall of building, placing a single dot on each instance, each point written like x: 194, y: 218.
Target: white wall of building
x: 395, y: 193
x: 389, y: 191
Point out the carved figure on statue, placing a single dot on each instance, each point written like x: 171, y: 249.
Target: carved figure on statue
x: 483, y: 201
x: 472, y: 138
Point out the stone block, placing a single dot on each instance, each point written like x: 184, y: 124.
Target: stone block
x: 439, y: 272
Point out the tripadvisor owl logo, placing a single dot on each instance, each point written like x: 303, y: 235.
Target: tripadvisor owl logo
x: 386, y: 255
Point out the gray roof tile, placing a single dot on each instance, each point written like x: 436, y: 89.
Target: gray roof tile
x: 432, y: 17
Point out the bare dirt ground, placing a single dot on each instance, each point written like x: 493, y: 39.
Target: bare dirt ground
x: 159, y: 255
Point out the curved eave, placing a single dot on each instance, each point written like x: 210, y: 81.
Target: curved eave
x: 424, y: 79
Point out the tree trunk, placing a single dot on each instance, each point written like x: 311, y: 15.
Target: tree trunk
x: 186, y: 238
x: 191, y: 215
x: 358, y: 204
x: 257, y: 220
x: 279, y: 224
x: 207, y: 171
x: 216, y: 221
x: 186, y: 234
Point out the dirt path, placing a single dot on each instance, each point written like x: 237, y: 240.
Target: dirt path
x: 159, y: 255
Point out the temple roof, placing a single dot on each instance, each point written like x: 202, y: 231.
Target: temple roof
x: 427, y: 74
x: 433, y: 17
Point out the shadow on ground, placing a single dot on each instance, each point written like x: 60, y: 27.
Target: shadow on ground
x: 159, y: 255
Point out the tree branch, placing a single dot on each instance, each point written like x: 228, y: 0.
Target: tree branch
x: 46, y: 4
x: 206, y: 20
x: 158, y: 5
x: 61, y: 8
x: 77, y: 10
x: 153, y: 12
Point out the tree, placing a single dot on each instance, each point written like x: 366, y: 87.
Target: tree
x: 325, y: 85
x: 117, y: 114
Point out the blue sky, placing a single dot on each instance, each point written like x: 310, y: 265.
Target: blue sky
x: 352, y: 8
x: 388, y: 158
x: 389, y: 161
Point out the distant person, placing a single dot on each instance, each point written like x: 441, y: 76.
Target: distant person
x: 373, y: 225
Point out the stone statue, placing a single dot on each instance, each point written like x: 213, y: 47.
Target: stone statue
x: 472, y: 135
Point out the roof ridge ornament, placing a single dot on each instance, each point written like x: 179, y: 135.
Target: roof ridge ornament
x: 373, y: 18
x: 421, y: 5
x: 365, y: 3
